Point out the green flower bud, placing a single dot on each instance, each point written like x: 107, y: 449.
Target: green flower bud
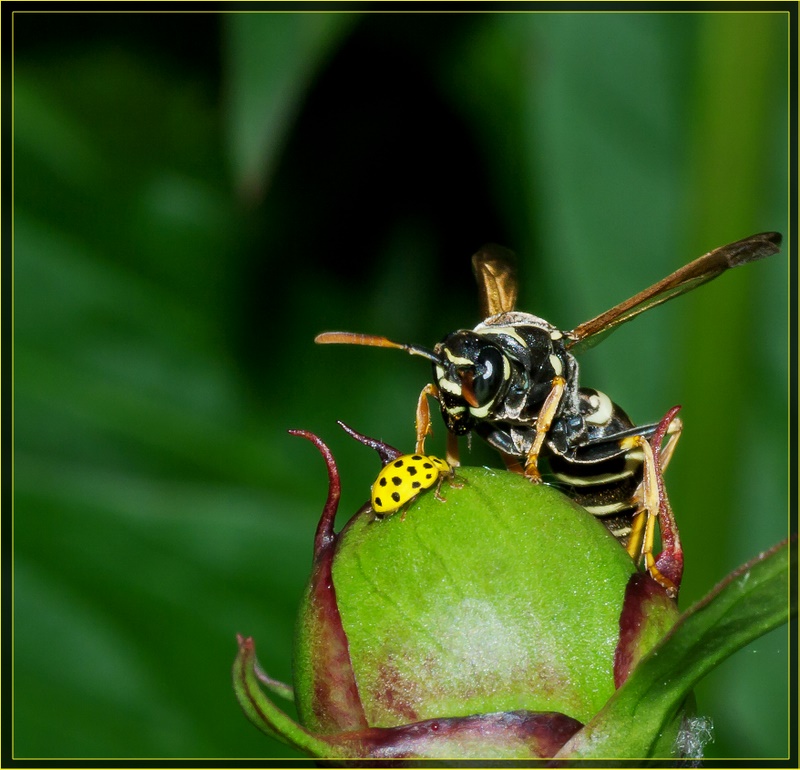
x: 494, y: 622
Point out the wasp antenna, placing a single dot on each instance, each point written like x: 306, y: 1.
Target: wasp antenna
x: 416, y: 350
x: 373, y: 341
x: 351, y: 338
x: 387, y: 453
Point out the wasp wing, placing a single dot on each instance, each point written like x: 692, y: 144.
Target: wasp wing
x: 495, y: 270
x: 685, y: 279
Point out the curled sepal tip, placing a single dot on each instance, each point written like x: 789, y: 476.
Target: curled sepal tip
x: 385, y: 452
x: 264, y: 714
x: 325, y: 537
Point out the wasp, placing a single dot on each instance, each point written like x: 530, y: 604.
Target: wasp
x: 514, y: 380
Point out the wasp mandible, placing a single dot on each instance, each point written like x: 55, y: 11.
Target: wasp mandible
x: 513, y: 380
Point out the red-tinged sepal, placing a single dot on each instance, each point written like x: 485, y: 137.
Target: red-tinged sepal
x: 647, y: 614
x: 504, y: 735
x: 649, y: 609
x: 670, y: 561
x: 322, y: 662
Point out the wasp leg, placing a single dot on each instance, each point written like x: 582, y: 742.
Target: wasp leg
x: 452, y: 455
x: 674, y: 431
x: 543, y: 423
x: 423, y: 416
x: 423, y: 426
x: 643, y: 525
x: 512, y: 463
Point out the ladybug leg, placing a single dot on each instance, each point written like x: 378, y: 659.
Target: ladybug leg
x: 543, y: 423
x: 451, y: 482
x: 437, y: 491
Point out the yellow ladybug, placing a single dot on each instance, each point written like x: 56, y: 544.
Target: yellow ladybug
x: 403, y: 479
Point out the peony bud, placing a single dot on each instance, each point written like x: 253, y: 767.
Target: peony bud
x: 494, y: 622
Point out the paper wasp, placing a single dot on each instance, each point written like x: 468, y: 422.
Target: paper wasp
x: 513, y: 380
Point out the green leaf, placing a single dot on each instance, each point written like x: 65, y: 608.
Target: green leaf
x: 749, y: 602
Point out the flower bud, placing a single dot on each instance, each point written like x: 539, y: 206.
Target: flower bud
x: 493, y: 622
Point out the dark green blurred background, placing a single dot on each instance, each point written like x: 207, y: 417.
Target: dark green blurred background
x: 197, y: 195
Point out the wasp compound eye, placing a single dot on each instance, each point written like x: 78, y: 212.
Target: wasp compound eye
x: 488, y: 374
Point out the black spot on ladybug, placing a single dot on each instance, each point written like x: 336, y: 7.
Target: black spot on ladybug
x: 416, y: 457
x: 382, y: 482
x: 411, y: 470
x: 397, y: 481
x: 427, y: 465
x: 379, y: 502
x: 415, y: 484
x: 396, y: 497
x: 429, y: 476
x: 398, y: 463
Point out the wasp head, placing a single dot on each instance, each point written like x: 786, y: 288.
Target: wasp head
x: 472, y: 374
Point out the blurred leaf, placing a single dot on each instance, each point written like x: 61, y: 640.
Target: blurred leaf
x: 49, y: 131
x: 272, y: 58
x: 139, y: 467
x: 742, y: 326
